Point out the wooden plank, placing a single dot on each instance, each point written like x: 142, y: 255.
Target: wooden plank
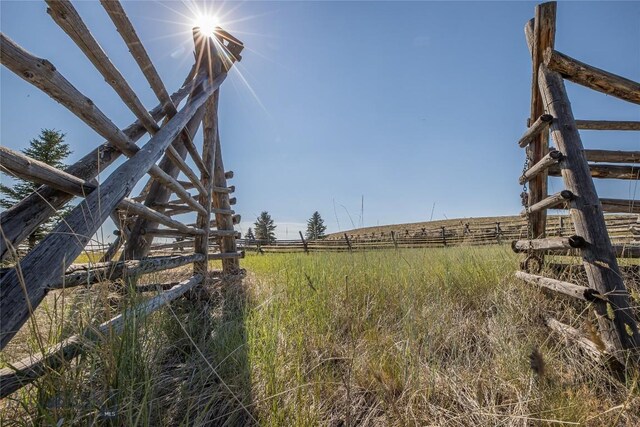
x: 620, y: 205
x: 18, y: 374
x: 39, y: 172
x: 128, y: 205
x: 128, y: 33
x: 96, y: 273
x: 607, y: 125
x: 548, y: 243
x: 612, y: 156
x: 21, y: 220
x: 566, y: 288
x: 599, y: 261
x: 543, y: 36
x: 570, y: 333
x: 605, y: 171
x: 554, y: 201
x: 535, y: 130
x: 592, y: 77
x: 58, y: 249
x: 304, y: 242
x: 552, y: 158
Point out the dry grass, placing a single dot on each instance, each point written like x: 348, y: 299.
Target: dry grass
x: 409, y: 337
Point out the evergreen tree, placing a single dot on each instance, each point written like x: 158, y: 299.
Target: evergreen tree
x: 315, y: 227
x: 265, y: 228
x: 249, y: 235
x: 51, y: 149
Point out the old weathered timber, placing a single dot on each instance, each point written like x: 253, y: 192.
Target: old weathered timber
x: 606, y: 171
x: 557, y: 200
x: 612, y: 156
x: 607, y: 125
x: 21, y: 220
x: 32, y: 367
x: 50, y: 258
x: 552, y: 158
x: 539, y: 126
x: 128, y: 33
x: 566, y: 288
x: 304, y: 242
x: 543, y: 36
x: 548, y: 243
x: 600, y: 263
x: 620, y: 205
x: 592, y: 77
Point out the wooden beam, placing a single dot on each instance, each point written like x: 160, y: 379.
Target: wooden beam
x: 146, y: 212
x: 58, y: 249
x: 535, y: 130
x: 612, y: 156
x: 559, y: 199
x: 620, y: 205
x: 548, y: 243
x: 607, y: 125
x: 21, y: 220
x: 568, y: 332
x: 543, y: 36
x: 566, y: 288
x: 304, y: 242
x: 128, y: 33
x: 552, y: 158
x: 605, y: 171
x: 600, y: 263
x: 88, y: 274
x: 22, y: 372
x: 592, y: 77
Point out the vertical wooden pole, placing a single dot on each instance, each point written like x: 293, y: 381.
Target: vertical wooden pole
x: 616, y: 319
x: 304, y: 243
x: 444, y: 236
x: 544, y: 29
x: 393, y: 237
x: 348, y: 242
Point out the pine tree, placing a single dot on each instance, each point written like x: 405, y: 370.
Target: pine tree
x: 51, y: 149
x: 249, y: 235
x: 315, y: 227
x: 265, y: 228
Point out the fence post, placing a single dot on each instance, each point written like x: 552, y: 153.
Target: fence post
x: 393, y: 237
x: 304, y: 243
x: 444, y: 236
x: 348, y: 242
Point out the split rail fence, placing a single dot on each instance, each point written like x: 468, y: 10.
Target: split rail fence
x: 139, y: 219
x: 551, y: 114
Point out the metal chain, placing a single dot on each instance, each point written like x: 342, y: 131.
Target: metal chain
x: 525, y: 202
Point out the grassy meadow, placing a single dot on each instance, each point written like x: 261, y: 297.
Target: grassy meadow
x: 439, y: 337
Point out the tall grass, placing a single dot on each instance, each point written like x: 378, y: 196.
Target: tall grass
x: 408, y: 337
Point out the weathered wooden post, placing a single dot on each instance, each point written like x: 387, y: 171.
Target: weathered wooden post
x: 444, y: 236
x: 304, y: 243
x: 346, y: 238
x: 393, y: 238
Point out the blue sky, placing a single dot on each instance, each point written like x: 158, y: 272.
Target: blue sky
x: 404, y: 104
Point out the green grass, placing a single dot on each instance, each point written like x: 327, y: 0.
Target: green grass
x: 409, y: 337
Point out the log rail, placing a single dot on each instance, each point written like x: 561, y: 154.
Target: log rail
x: 48, y: 265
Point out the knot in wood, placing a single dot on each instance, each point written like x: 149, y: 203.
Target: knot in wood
x: 28, y: 74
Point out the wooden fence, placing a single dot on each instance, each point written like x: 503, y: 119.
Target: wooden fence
x: 551, y: 115
x: 139, y: 219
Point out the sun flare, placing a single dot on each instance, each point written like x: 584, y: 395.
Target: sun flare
x: 207, y: 23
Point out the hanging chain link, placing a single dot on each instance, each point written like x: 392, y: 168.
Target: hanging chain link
x: 525, y: 202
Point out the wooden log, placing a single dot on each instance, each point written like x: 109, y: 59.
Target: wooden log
x: 143, y: 211
x: 232, y: 201
x: 21, y: 220
x: 39, y: 172
x: 120, y: 269
x: 559, y: 199
x: 393, y: 237
x: 22, y: 372
x: 572, y: 334
x: 552, y: 158
x: 620, y: 205
x: 538, y: 127
x: 592, y: 77
x: 566, y: 288
x: 549, y: 243
x: 128, y: 33
x: 228, y: 174
x: 113, y: 249
x: 612, y: 156
x: 605, y: 171
x: 626, y: 251
x: 227, y: 256
x: 599, y: 261
x: 51, y: 257
x: 607, y: 125
x: 304, y: 243
x: 346, y: 238
x: 542, y: 33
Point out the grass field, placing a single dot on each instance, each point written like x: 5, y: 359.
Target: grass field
x: 409, y: 337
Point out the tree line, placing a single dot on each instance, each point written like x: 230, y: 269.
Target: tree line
x: 265, y: 228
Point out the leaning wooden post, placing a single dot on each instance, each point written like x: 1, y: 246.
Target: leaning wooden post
x: 304, y: 243
x: 444, y: 235
x: 393, y: 237
x: 346, y: 238
x: 544, y: 28
x: 617, y: 323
